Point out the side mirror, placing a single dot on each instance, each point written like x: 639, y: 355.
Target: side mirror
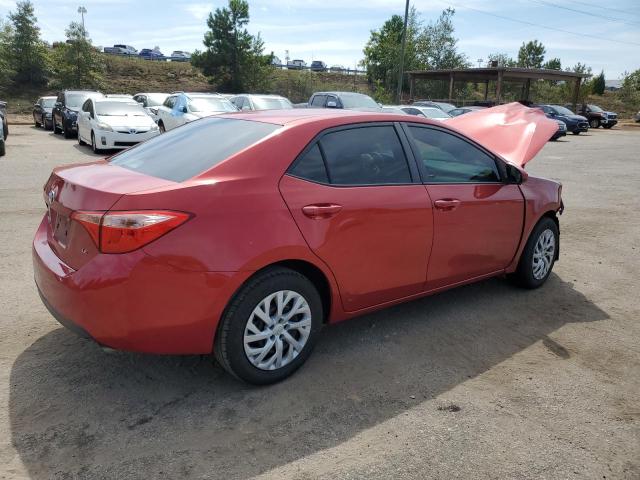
x: 58, y: 104
x: 332, y: 104
x: 184, y: 110
x: 36, y: 105
x: 515, y: 175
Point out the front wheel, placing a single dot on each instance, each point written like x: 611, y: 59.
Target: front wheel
x: 270, y: 327
x: 539, y: 254
x: 94, y: 145
x: 161, y: 127
x: 576, y: 133
x: 594, y: 123
x: 3, y: 149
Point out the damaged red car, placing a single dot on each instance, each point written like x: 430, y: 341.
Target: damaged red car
x: 243, y: 234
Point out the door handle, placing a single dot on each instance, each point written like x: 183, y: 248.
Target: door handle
x: 447, y: 204
x: 321, y: 210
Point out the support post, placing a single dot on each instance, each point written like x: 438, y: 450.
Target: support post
x: 576, y: 93
x: 527, y: 88
x: 412, y: 86
x: 499, y: 88
x: 486, y: 90
x: 450, y: 87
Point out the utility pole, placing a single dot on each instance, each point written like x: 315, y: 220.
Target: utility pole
x: 480, y: 60
x: 82, y: 11
x: 404, y: 44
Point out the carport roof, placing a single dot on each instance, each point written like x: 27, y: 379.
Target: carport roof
x: 492, y: 73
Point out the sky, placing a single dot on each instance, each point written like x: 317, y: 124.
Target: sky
x: 602, y: 34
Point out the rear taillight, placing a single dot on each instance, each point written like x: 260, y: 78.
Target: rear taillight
x: 121, y: 232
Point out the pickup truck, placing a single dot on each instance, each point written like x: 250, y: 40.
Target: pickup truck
x: 120, y: 49
x: 596, y: 116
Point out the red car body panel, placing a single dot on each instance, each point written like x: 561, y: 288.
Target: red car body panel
x: 386, y: 244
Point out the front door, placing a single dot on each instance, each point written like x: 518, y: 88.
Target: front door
x: 363, y: 213
x: 478, y: 219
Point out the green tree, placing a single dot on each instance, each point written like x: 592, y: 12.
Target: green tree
x: 382, y: 52
x: 503, y: 59
x: 597, y: 84
x: 233, y: 58
x: 77, y: 62
x: 26, y: 53
x: 437, y: 45
x: 6, y: 69
x: 553, y: 64
x: 531, y: 54
x: 630, y: 90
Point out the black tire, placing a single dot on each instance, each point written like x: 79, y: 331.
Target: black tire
x: 80, y: 141
x: 523, y: 276
x: 576, y: 133
x: 36, y: 123
x: 65, y: 131
x: 161, y: 127
x: 607, y: 126
x: 3, y: 149
x: 229, y: 341
x: 5, y: 128
x: 94, y: 146
x: 594, y: 123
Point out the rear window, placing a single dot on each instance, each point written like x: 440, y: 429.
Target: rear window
x: 185, y: 152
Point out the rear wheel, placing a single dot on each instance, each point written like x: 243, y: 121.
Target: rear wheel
x: 2, y: 148
x: 539, y: 255
x: 65, y: 131
x: 270, y: 327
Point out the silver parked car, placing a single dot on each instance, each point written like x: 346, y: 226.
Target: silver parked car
x: 180, y: 108
x: 428, y: 112
x: 151, y: 102
x: 261, y: 102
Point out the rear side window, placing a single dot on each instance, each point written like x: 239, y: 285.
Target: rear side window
x: 445, y: 158
x: 365, y: 156
x: 311, y: 166
x: 318, y: 100
x: 185, y: 152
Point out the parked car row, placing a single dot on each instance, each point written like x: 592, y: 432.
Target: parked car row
x: 148, y: 53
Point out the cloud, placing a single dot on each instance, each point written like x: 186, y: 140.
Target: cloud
x: 199, y: 11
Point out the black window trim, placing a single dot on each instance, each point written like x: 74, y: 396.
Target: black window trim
x: 414, y: 171
x: 500, y: 166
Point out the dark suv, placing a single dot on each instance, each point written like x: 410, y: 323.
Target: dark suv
x: 576, y: 124
x: 596, y: 116
x: 65, y: 110
x: 318, y: 66
x: 348, y: 100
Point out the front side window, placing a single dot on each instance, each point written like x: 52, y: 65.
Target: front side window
x: 170, y: 101
x: 318, y: 100
x: 446, y: 158
x: 371, y: 155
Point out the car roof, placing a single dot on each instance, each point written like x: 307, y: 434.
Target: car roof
x: 313, y: 115
x: 340, y: 93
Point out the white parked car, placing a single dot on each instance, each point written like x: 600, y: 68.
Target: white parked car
x: 261, y: 102
x: 119, y: 97
x: 111, y: 124
x: 180, y: 108
x: 151, y: 102
x: 430, y: 112
x: 180, y: 56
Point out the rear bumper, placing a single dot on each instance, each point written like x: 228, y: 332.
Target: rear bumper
x: 133, y: 301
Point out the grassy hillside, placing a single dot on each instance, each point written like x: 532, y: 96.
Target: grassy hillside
x: 133, y: 75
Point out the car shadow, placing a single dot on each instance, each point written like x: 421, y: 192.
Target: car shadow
x: 76, y: 411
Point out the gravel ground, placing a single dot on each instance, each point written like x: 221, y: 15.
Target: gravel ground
x: 484, y: 381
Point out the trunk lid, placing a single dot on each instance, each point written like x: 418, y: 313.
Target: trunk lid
x: 95, y: 186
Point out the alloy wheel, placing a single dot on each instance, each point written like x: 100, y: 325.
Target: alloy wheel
x: 543, y: 254
x: 277, y: 330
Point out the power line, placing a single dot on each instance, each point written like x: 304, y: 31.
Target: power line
x: 602, y: 39
x: 584, y: 4
x: 611, y: 19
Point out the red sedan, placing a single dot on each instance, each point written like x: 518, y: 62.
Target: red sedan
x: 243, y: 234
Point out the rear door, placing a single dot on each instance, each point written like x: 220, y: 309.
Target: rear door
x: 359, y: 204
x: 478, y: 218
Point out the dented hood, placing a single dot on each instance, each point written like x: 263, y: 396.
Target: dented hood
x: 513, y: 131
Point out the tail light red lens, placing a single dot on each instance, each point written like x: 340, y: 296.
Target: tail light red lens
x: 121, y: 232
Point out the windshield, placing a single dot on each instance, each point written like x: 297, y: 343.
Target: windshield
x: 271, y: 103
x: 120, y: 109
x: 156, y: 99
x: 198, y: 146
x: 75, y: 100
x: 595, y: 108
x: 211, y: 104
x: 48, y: 102
x: 357, y: 100
x: 446, y: 107
x: 434, y: 113
x: 562, y: 110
